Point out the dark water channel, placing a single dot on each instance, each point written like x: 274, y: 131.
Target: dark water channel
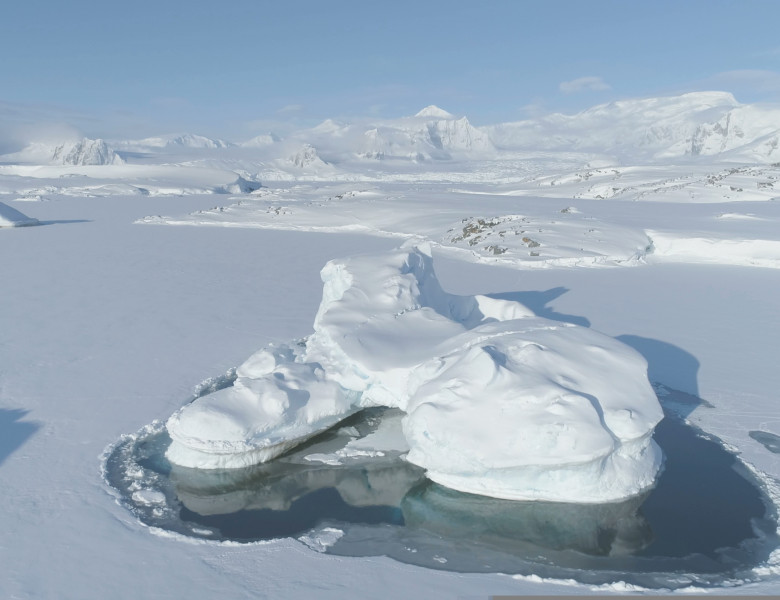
x: 707, y: 522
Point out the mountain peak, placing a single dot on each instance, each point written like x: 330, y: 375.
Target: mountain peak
x: 85, y: 152
x: 434, y: 111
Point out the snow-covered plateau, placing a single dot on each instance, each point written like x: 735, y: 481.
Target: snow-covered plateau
x: 526, y: 297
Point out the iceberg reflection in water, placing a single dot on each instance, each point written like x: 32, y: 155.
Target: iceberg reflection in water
x: 525, y: 527
x: 706, y: 523
x: 289, y: 500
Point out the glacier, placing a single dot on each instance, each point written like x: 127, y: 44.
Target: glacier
x: 497, y: 401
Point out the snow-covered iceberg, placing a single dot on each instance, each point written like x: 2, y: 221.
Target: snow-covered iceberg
x: 498, y: 401
x: 10, y: 217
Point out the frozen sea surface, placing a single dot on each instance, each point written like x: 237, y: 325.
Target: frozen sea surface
x: 106, y: 324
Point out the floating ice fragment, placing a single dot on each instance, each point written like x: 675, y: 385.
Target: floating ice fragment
x: 148, y: 497
x: 323, y: 539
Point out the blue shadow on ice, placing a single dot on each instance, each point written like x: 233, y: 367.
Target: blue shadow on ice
x: 13, y: 431
x: 538, y: 301
x: 672, y: 367
x: 64, y: 221
x: 667, y: 364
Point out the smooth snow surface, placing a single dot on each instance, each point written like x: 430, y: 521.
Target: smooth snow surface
x: 499, y: 402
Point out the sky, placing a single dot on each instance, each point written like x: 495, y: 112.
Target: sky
x: 239, y: 68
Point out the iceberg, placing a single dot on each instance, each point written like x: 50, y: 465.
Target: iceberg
x: 10, y: 217
x: 498, y: 401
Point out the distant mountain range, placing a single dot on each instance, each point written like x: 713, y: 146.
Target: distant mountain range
x: 711, y: 124
x: 695, y: 124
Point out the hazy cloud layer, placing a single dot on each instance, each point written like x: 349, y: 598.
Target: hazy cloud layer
x: 584, y: 84
x: 749, y: 80
x: 290, y: 108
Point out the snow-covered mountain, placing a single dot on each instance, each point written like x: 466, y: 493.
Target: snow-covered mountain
x: 634, y: 131
x: 751, y: 131
x: 435, y: 112
x: 432, y: 133
x: 181, y: 140
x: 306, y: 158
x: 261, y: 141
x: 72, y: 152
x: 694, y: 124
x: 85, y: 152
x: 627, y: 132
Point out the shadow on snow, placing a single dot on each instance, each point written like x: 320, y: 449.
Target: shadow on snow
x: 13, y: 431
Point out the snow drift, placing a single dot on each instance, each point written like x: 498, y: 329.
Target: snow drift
x: 498, y: 402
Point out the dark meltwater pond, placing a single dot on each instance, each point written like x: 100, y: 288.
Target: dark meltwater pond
x: 708, y: 521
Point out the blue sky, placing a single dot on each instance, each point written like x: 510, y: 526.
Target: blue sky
x: 239, y: 68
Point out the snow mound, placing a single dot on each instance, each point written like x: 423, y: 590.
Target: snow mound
x: 10, y: 217
x: 85, y: 152
x: 498, y: 402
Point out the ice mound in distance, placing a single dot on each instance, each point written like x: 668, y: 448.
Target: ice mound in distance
x: 498, y: 401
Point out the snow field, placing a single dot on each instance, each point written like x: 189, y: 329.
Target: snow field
x: 106, y: 325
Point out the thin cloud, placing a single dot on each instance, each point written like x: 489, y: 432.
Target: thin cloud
x: 758, y: 81
x: 289, y: 109
x: 584, y: 84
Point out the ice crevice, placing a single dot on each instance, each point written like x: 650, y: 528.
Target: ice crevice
x: 497, y: 401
